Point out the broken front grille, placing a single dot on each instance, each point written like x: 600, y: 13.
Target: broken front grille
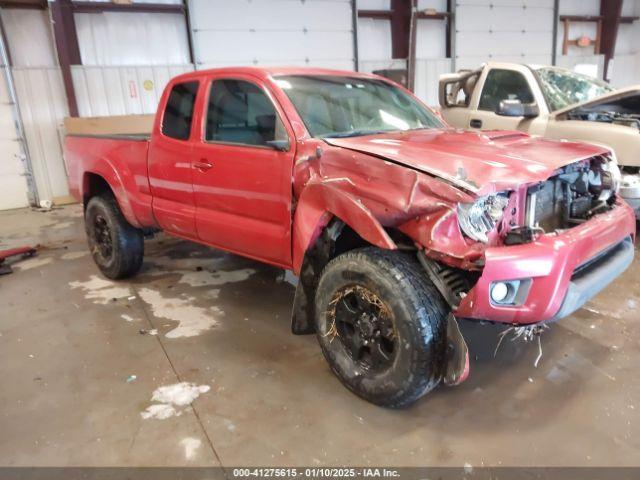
x: 572, y: 196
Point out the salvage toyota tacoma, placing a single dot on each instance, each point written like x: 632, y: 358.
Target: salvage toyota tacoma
x: 396, y: 224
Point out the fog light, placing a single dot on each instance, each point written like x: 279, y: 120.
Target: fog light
x: 499, y: 292
x: 509, y: 293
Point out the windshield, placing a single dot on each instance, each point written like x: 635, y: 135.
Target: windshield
x: 562, y: 88
x: 334, y: 106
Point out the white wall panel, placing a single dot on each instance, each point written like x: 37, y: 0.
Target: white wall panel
x: 121, y: 38
x: 368, y: 66
x: 40, y: 96
x: 630, y: 7
x: 374, y: 4
x: 428, y: 73
x: 503, y: 30
x: 624, y: 70
x: 43, y: 107
x: 572, y: 61
x: 13, y: 183
x: 437, y: 5
x: 268, y: 32
x: 580, y: 7
x: 103, y: 91
x: 508, y: 18
x: 259, y: 47
x: 627, y: 36
x: 271, y: 15
x: 29, y: 37
x: 329, y: 63
x: 477, y: 61
x: 431, y: 38
x: 374, y: 40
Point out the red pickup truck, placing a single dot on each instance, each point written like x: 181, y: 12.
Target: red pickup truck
x: 396, y: 224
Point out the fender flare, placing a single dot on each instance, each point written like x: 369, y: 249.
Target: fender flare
x: 112, y: 178
x: 318, y: 204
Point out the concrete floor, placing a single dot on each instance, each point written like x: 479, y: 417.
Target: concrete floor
x: 70, y: 346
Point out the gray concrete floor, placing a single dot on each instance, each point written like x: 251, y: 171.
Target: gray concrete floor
x: 70, y: 344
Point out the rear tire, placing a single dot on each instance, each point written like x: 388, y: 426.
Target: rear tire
x: 116, y: 246
x: 381, y: 325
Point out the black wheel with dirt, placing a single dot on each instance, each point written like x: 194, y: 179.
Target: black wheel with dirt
x: 116, y: 246
x: 381, y: 325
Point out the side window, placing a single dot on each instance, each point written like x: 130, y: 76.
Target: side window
x: 504, y: 85
x: 239, y: 112
x: 176, y: 121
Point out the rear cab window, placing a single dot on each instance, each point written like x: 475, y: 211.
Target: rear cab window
x: 240, y: 113
x: 178, y: 113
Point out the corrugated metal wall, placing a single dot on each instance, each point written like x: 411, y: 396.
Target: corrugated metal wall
x: 625, y: 67
x: 102, y: 91
x: 43, y: 107
x: 625, y: 70
x: 374, y: 39
x: 127, y: 59
x: 428, y: 73
x: 14, y: 192
x: 41, y: 98
x: 120, y: 38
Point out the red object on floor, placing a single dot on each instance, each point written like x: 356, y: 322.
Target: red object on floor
x: 13, y: 252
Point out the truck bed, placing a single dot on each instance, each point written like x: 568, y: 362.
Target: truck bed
x: 121, y: 127
x: 114, y: 149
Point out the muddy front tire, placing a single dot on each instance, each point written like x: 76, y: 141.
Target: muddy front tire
x: 116, y: 246
x: 381, y: 325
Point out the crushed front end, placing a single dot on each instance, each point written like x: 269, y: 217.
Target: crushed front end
x: 551, y: 246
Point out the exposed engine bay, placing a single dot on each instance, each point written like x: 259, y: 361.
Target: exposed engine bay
x: 621, y: 111
x: 572, y: 196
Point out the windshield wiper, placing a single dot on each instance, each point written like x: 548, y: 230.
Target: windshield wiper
x: 354, y: 133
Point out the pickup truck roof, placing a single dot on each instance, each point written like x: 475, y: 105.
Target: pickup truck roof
x: 138, y: 127
x: 265, y: 72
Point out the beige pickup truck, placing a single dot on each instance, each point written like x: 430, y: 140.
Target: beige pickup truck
x: 551, y: 102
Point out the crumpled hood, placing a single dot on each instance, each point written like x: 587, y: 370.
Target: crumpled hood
x: 481, y: 162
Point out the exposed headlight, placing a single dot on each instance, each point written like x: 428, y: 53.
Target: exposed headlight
x: 477, y: 219
x: 616, y: 176
x: 605, y: 179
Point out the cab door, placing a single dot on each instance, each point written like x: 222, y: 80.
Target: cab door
x: 169, y: 161
x: 242, y: 168
x: 499, y: 84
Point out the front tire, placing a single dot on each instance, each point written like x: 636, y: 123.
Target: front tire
x: 116, y: 246
x: 381, y: 325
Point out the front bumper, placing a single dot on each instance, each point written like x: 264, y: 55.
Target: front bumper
x: 561, y: 271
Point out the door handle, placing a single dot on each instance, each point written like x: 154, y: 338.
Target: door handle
x: 203, y: 165
x: 475, y: 123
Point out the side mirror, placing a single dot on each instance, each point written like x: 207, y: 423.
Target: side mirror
x: 515, y: 108
x: 280, y: 145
